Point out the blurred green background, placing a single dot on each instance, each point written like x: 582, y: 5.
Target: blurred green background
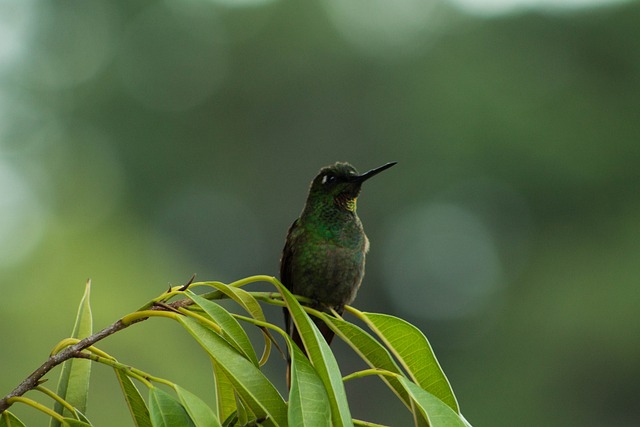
x: 143, y: 141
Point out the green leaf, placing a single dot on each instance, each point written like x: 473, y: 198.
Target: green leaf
x: 251, y: 306
x: 255, y: 390
x: 371, y: 351
x: 321, y: 357
x: 376, y: 356
x: 73, y: 385
x: 464, y: 420
x: 225, y: 398
x: 7, y: 419
x: 308, y: 400
x: 166, y: 411
x: 232, y: 331
x: 231, y: 421
x: 81, y: 417
x: 437, y: 412
x: 243, y: 298
x: 135, y: 402
x: 414, y: 353
x: 242, y: 413
x: 201, y: 414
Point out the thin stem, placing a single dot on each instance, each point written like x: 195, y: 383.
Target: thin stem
x: 264, y: 326
x: 201, y: 319
x: 63, y: 344
x: 128, y: 370
x: 64, y: 351
x: 252, y: 279
x: 267, y: 296
x: 137, y: 316
x: 72, y: 348
x: 259, y: 323
x: 354, y: 311
x: 276, y: 299
x: 175, y: 291
x: 238, y: 284
x: 70, y: 341
x: 36, y: 405
x: 369, y: 372
x: 100, y: 353
x: 57, y: 398
x: 33, y: 380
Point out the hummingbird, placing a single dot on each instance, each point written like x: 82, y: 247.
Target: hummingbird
x: 324, y: 253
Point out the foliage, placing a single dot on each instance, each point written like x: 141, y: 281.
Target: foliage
x: 396, y: 351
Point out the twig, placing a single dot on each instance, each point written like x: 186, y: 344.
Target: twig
x: 35, y: 379
x: 186, y: 285
x: 75, y: 350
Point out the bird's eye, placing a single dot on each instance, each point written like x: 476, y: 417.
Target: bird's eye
x: 328, y: 179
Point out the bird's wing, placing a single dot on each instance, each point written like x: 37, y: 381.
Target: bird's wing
x: 286, y: 265
x: 287, y: 254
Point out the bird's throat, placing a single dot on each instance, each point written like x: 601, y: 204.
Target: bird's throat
x: 346, y: 202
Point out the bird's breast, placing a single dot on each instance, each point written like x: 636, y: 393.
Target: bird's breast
x: 329, y: 271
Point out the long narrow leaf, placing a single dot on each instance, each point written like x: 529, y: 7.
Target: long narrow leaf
x: 166, y: 411
x: 371, y: 351
x: 81, y: 417
x: 231, y: 421
x: 376, y: 356
x: 135, y: 402
x: 232, y: 331
x: 73, y: 385
x: 243, y: 414
x: 255, y: 390
x: 200, y: 412
x: 7, y: 419
x: 438, y: 413
x: 321, y: 357
x: 308, y: 400
x: 251, y: 305
x: 414, y: 353
x: 225, y: 399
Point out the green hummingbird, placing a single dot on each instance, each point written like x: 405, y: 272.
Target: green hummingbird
x: 324, y: 253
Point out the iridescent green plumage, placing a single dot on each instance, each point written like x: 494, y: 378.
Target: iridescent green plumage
x: 324, y: 254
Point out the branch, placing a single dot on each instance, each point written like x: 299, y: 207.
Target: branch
x: 75, y: 350
x: 35, y: 379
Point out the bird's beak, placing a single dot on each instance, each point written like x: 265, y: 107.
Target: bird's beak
x: 365, y: 176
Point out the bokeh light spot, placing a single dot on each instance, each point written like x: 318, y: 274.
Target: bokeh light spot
x: 15, y: 17
x: 72, y: 44
x: 442, y: 261
x: 387, y: 29
x: 26, y: 129
x: 242, y: 3
x: 500, y: 7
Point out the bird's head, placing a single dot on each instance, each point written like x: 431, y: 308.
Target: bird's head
x: 340, y: 184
